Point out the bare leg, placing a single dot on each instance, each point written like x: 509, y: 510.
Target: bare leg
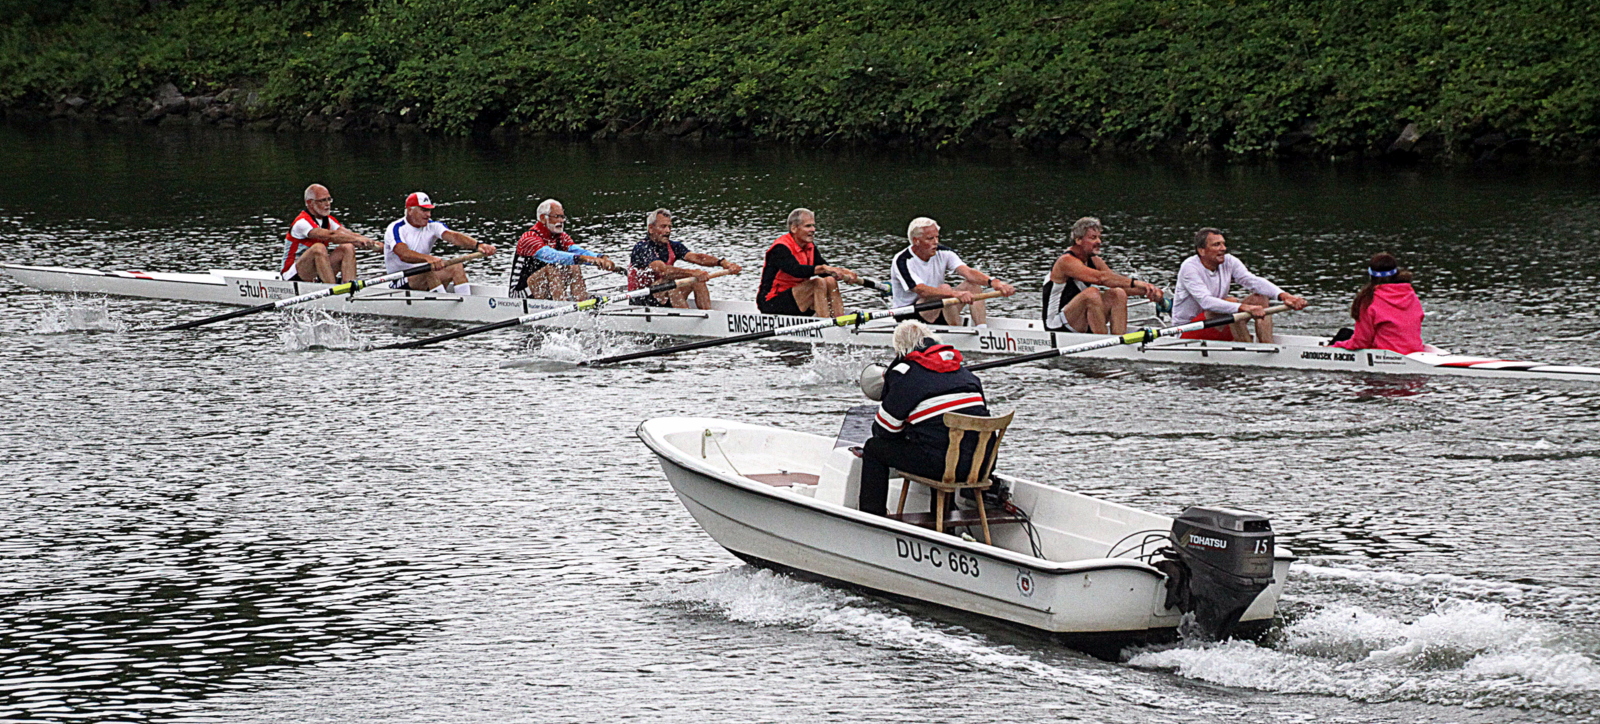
x: 702, y: 296
x: 343, y: 258
x: 545, y: 284
x: 979, y: 316
x: 576, y: 288
x: 1087, y: 310
x: 831, y: 298
x: 1116, y: 302
x: 313, y: 265
x: 1264, y: 324
x: 675, y: 298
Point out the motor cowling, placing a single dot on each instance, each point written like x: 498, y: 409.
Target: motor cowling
x: 1221, y: 560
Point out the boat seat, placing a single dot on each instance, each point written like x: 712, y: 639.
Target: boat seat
x: 784, y: 479
x: 990, y: 430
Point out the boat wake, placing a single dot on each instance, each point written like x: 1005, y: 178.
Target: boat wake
x: 78, y: 314
x: 311, y: 329
x: 1460, y: 652
x: 763, y: 598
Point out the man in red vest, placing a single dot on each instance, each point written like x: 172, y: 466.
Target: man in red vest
x: 795, y: 280
x: 306, y: 256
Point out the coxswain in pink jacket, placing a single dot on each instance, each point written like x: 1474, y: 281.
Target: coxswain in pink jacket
x: 1393, y: 321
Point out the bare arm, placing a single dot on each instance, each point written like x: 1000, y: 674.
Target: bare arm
x: 984, y: 280
x: 695, y: 257
x: 342, y: 235
x: 466, y: 242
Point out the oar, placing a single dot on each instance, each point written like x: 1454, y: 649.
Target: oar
x: 881, y: 288
x: 1140, y: 337
x: 857, y: 317
x: 590, y: 303
x: 345, y: 288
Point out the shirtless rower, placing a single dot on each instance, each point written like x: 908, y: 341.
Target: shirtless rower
x: 1082, y: 294
x: 546, y: 263
x: 306, y: 256
x: 795, y: 279
x: 1204, y: 281
x: 410, y: 240
x: 918, y: 273
x: 654, y: 260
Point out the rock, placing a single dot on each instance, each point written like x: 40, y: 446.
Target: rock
x: 683, y: 127
x: 200, y: 103
x: 287, y: 125
x: 265, y: 124
x: 227, y: 123
x: 1407, y: 140
x: 338, y: 125
x: 1490, y: 140
x: 226, y: 96
x: 313, y: 122
x: 76, y: 102
x: 173, y: 119
x: 168, y: 94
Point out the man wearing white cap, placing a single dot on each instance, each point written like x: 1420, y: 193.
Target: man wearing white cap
x: 918, y: 274
x: 409, y: 242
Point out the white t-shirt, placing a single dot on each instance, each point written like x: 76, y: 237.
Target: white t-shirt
x: 1201, y: 289
x: 416, y: 238
x: 907, y: 271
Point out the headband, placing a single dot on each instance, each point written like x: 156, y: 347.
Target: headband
x: 1375, y: 274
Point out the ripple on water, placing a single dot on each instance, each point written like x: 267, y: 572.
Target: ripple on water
x: 307, y: 329
x: 73, y: 313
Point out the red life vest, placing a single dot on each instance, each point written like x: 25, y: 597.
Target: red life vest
x: 783, y: 281
x: 292, y: 246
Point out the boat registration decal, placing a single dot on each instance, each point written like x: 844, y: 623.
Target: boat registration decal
x: 747, y: 323
x: 953, y: 561
x: 1025, y: 582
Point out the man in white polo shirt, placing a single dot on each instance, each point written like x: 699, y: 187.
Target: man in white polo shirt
x: 918, y: 274
x: 409, y: 242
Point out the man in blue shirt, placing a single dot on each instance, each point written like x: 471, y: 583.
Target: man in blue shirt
x: 654, y: 261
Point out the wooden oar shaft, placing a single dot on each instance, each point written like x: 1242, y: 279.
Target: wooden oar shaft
x: 1139, y: 337
x: 350, y: 287
x: 587, y: 304
x: 840, y: 321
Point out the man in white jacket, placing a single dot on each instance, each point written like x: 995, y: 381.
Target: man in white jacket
x: 1204, y: 281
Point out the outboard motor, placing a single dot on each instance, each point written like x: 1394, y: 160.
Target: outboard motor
x: 1220, y: 561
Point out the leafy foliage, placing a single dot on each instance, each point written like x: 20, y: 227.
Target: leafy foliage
x: 1240, y: 77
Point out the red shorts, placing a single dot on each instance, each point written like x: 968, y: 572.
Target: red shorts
x: 1217, y: 334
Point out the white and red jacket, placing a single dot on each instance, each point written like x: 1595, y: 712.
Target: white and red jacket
x: 919, y: 388
x: 299, y: 237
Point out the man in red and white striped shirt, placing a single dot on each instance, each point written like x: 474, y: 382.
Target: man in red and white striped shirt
x: 306, y: 256
x: 908, y: 433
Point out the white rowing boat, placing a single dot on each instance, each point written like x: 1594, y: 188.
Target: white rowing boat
x: 1089, y: 569
x: 1002, y: 336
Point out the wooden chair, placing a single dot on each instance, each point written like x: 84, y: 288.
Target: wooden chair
x: 983, y: 458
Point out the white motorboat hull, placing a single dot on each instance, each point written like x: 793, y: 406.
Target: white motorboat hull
x: 1002, y: 336
x: 1122, y: 598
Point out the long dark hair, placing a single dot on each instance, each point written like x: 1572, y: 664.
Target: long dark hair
x: 1381, y: 262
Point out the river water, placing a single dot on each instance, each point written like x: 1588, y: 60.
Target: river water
x: 266, y: 521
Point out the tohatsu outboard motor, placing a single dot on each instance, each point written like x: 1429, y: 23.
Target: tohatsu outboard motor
x: 1220, y: 561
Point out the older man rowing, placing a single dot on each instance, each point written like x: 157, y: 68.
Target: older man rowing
x: 918, y: 274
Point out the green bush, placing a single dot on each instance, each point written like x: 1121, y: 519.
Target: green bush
x: 1239, y: 78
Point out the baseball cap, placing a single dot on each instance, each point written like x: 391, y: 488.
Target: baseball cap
x: 419, y: 199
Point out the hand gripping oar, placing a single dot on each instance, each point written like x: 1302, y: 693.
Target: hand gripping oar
x: 1140, y: 337
x: 530, y: 318
x: 846, y: 320
x: 345, y: 288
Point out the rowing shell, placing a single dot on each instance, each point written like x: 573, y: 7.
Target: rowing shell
x: 1003, y: 336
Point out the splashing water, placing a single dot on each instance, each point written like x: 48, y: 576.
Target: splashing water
x: 1462, y: 653
x: 838, y: 365
x: 78, y: 314
x: 307, y: 329
x: 566, y: 347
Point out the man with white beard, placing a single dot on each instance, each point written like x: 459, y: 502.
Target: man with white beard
x: 546, y: 261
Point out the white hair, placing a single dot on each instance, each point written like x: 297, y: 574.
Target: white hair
x: 918, y: 224
x: 544, y: 206
x: 650, y: 218
x: 909, y: 334
x: 1081, y: 227
x: 798, y: 214
x: 311, y: 194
